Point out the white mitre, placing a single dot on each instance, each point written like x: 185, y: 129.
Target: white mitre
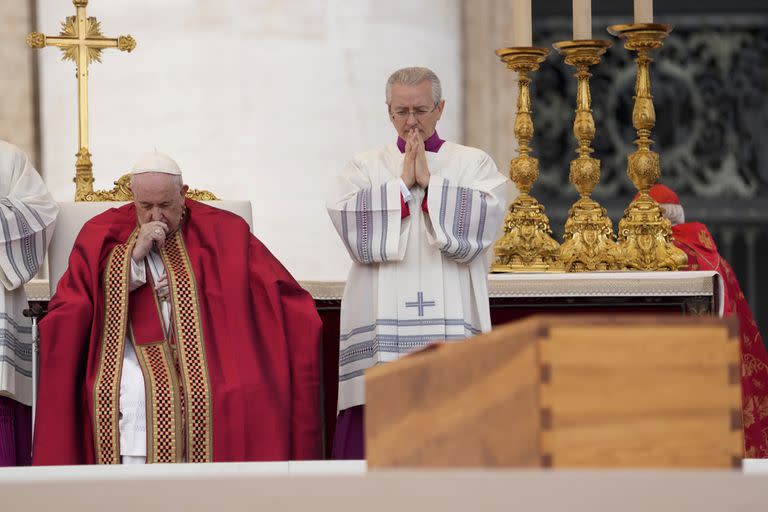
x: 156, y: 162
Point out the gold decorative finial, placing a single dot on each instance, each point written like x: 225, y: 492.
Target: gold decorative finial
x: 36, y: 40
x: 527, y: 244
x: 645, y: 236
x: 126, y: 43
x: 588, y: 243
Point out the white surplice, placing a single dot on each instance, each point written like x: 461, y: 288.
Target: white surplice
x: 27, y: 219
x: 418, y: 279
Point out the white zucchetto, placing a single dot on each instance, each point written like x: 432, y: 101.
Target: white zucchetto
x: 156, y: 162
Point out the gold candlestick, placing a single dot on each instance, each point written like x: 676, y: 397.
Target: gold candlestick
x: 527, y: 244
x: 645, y: 236
x: 588, y: 242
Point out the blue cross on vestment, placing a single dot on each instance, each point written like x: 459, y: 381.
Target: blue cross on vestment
x: 420, y: 303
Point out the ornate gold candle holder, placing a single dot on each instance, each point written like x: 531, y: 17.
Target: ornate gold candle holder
x: 588, y: 242
x: 645, y: 236
x: 527, y: 244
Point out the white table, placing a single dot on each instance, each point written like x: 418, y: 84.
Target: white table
x: 339, y: 486
x: 587, y: 284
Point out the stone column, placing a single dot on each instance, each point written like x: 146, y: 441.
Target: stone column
x: 18, y: 81
x: 490, y: 90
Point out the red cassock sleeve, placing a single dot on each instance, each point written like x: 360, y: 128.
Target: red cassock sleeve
x: 302, y: 330
x: 405, y: 210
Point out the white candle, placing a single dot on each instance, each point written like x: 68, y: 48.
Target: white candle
x: 643, y: 11
x: 521, y: 23
x: 582, y: 19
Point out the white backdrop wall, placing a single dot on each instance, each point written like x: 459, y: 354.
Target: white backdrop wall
x: 256, y: 99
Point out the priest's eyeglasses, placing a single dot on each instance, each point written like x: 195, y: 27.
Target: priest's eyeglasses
x: 404, y: 113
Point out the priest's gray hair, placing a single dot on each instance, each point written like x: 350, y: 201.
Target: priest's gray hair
x: 414, y: 76
x: 176, y: 179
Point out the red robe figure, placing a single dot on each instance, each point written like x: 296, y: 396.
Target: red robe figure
x: 696, y: 241
x: 176, y: 336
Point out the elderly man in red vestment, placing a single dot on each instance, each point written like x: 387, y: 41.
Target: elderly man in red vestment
x: 176, y: 336
x: 696, y: 241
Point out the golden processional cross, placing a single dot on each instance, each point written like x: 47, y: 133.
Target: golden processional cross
x: 81, y: 41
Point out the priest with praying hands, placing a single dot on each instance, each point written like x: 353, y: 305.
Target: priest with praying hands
x: 176, y: 336
x: 417, y: 218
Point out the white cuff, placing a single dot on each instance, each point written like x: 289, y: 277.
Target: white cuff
x: 138, y: 275
x: 404, y: 191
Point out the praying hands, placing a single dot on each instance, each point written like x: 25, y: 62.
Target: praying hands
x: 415, y: 169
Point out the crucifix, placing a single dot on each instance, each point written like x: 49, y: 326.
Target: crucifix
x: 420, y: 303
x: 81, y: 41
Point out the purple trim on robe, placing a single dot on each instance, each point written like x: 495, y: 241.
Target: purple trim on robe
x: 349, y: 440
x: 15, y: 433
x: 432, y: 144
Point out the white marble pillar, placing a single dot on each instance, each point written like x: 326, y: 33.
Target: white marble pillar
x: 490, y: 89
x: 17, y: 97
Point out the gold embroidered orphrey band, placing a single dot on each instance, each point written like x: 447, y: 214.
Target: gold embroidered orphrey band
x: 165, y: 441
x: 174, y: 422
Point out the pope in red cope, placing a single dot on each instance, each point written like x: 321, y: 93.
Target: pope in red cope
x: 176, y: 336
